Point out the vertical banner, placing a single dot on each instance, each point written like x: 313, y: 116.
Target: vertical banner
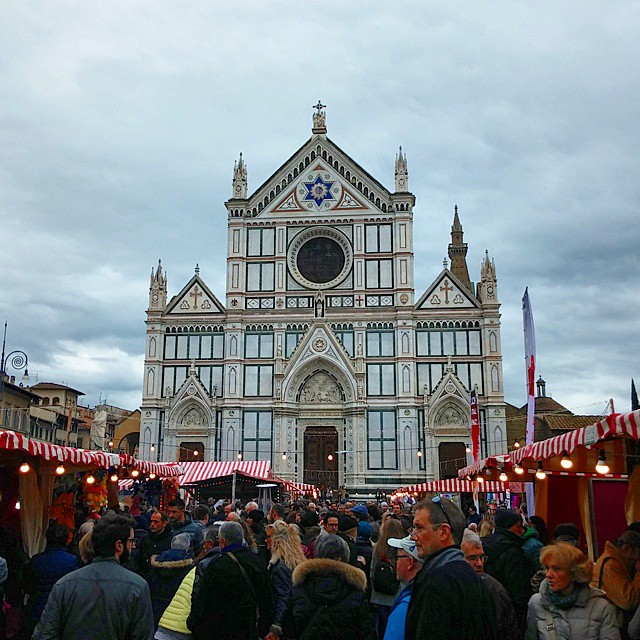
x: 530, y: 363
x: 530, y: 358
x: 475, y: 427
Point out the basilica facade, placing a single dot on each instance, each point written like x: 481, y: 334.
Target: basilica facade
x: 322, y: 358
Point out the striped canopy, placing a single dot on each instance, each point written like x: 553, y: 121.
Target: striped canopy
x: 161, y: 469
x: 453, y: 485
x: 300, y: 488
x: 199, y: 471
x: 616, y: 425
x: 12, y: 441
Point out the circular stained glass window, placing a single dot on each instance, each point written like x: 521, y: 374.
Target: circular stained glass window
x: 320, y: 257
x: 320, y: 260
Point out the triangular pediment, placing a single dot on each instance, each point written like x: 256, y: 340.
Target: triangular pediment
x: 447, y: 292
x: 192, y: 390
x: 450, y: 407
x: 450, y: 385
x: 195, y: 299
x: 319, y: 178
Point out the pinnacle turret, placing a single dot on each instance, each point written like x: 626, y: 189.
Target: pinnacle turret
x: 240, y: 179
x: 401, y: 173
x: 458, y: 253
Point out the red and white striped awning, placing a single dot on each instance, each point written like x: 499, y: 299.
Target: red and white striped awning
x: 161, y: 469
x: 454, y: 485
x: 616, y: 425
x: 199, y: 471
x: 477, y: 467
x: 300, y: 488
x: 12, y: 441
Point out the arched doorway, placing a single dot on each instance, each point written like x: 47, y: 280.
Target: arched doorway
x: 320, y: 458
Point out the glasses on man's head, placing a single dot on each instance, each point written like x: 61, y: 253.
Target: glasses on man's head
x: 438, y: 500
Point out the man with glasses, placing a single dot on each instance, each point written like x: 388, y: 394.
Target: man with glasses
x: 408, y: 563
x: 505, y: 613
x: 103, y: 599
x: 449, y: 600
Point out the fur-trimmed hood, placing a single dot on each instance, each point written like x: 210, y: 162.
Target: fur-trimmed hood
x: 326, y: 567
x: 159, y: 562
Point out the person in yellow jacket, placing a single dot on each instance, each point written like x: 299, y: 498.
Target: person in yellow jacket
x: 173, y: 624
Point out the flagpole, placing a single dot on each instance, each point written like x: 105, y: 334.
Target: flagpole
x: 530, y: 363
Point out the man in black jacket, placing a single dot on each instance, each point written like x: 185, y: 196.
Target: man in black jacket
x: 508, y: 563
x: 233, y: 585
x: 158, y: 540
x: 449, y: 601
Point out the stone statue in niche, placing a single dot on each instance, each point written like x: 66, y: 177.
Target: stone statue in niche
x: 321, y: 389
x: 450, y: 416
x: 193, y: 419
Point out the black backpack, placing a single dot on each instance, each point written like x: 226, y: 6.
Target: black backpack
x: 384, y: 578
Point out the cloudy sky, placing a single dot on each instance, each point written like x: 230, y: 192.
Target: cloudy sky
x: 120, y: 123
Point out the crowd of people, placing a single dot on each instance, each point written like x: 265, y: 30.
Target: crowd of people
x: 308, y: 571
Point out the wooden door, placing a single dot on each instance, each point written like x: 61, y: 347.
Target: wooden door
x: 319, y: 444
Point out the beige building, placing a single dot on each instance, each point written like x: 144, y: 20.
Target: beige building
x: 323, y: 358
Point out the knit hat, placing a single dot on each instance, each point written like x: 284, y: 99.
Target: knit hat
x: 364, y: 530
x: 346, y: 523
x: 506, y: 518
x: 360, y: 508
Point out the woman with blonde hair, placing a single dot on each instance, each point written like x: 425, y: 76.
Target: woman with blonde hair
x: 384, y: 589
x: 283, y: 541
x: 567, y: 607
x: 486, y: 527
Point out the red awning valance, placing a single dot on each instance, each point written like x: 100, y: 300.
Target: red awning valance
x: 454, y: 485
x: 200, y: 471
x: 161, y: 469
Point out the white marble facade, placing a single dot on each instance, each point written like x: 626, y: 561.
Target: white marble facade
x: 321, y: 348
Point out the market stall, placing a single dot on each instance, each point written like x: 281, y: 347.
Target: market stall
x: 41, y: 481
x: 585, y: 472
x: 300, y: 489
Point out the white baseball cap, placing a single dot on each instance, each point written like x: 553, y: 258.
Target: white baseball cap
x: 406, y: 544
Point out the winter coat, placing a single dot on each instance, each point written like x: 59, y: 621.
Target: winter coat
x: 101, y: 600
x: 634, y: 626
x: 377, y: 598
x: 506, y: 620
x: 195, y: 529
x: 398, y: 617
x: 612, y: 574
x: 44, y: 570
x: 167, y: 572
x: 282, y: 588
x: 175, y: 615
x: 508, y: 563
x: 449, y: 601
x: 592, y: 617
x: 328, y: 601
x: 224, y: 606
x: 532, y: 545
x: 152, y: 545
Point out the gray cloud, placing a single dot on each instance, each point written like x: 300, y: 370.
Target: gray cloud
x: 119, y: 125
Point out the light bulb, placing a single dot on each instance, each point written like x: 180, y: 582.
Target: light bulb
x: 516, y: 444
x: 503, y: 477
x: 153, y: 447
x: 18, y: 505
x: 135, y: 473
x: 110, y: 443
x: 540, y: 474
x: 566, y: 462
x: 330, y: 457
x: 60, y: 469
x: 479, y: 479
x: 24, y: 467
x: 195, y: 453
x: 239, y: 455
x: 419, y: 454
x: 114, y: 477
x: 284, y: 456
x: 518, y: 469
x: 152, y: 476
x: 90, y: 479
x: 467, y: 449
x: 602, y: 466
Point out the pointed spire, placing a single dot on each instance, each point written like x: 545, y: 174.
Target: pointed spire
x: 158, y: 288
x: 401, y: 173
x: 319, y: 119
x: 239, y: 179
x: 458, y: 252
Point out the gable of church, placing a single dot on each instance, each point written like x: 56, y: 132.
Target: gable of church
x: 447, y: 292
x: 195, y: 298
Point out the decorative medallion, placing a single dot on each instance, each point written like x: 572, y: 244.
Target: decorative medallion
x: 191, y: 390
x: 319, y: 191
x: 404, y: 298
x: 320, y: 344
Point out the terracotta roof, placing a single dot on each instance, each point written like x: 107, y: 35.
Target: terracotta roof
x: 55, y: 385
x: 546, y: 404
x: 569, y: 422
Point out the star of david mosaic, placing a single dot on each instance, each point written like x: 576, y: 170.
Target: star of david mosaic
x: 319, y: 190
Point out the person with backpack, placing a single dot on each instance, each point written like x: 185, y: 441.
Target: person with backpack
x: 385, y: 587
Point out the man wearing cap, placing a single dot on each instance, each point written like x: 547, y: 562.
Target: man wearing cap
x: 507, y: 562
x: 449, y: 600
x: 408, y: 564
x: 348, y: 530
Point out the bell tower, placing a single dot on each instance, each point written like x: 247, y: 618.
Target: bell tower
x: 458, y: 253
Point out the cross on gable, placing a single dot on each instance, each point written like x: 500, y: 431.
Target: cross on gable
x: 195, y: 294
x: 446, y: 288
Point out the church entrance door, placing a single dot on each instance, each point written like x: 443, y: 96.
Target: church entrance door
x: 320, y: 459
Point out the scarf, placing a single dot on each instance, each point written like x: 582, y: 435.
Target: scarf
x: 557, y: 600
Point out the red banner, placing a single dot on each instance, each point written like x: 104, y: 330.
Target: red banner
x: 475, y: 428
